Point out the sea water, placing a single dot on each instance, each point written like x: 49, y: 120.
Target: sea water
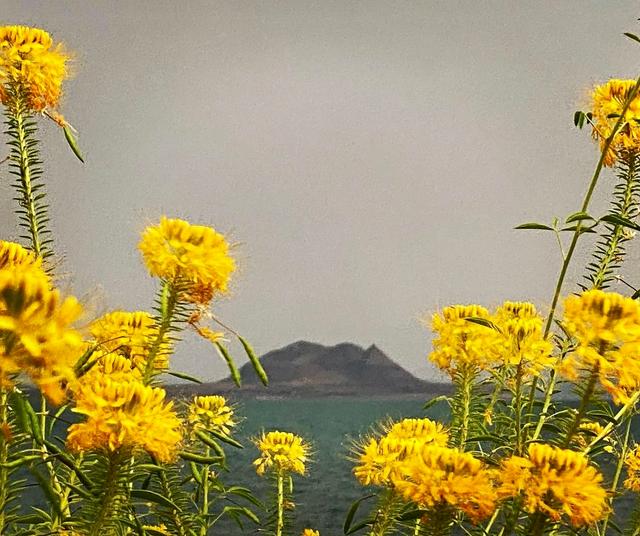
x: 325, y: 494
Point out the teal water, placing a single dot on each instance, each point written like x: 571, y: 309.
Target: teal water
x: 325, y: 494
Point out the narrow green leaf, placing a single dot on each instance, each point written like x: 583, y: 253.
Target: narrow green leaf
x: 435, y: 400
x: 578, y: 119
x: 412, y: 514
x: 634, y: 37
x: 533, y: 225
x: 619, y: 220
x: 152, y: 496
x: 197, y: 458
x: 578, y: 216
x: 352, y: 512
x: 226, y: 439
x: 254, y: 361
x: 71, y: 140
x: 233, y: 370
x: 482, y: 322
x: 209, y: 442
x: 183, y: 376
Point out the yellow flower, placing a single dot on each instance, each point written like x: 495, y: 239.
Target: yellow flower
x: 281, y: 452
x: 36, y: 336
x: 608, y: 101
x: 211, y: 413
x: 588, y: 431
x: 130, y: 334
x: 439, y: 477
x: 420, y: 429
x: 607, y: 328
x: 31, y: 66
x: 12, y: 254
x: 194, y: 255
x: 461, y: 344
x: 632, y: 462
x: 378, y: 458
x: 556, y: 482
x: 310, y: 532
x: 523, y: 344
x: 124, y: 414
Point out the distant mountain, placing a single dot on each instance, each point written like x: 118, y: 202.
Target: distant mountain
x: 306, y: 369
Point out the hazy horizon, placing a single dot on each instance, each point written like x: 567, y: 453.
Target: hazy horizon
x: 369, y: 159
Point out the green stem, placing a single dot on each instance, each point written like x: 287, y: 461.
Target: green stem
x: 205, y: 496
x: 23, y: 154
x: 518, y: 410
x: 584, y: 404
x: 175, y: 514
x: 110, y: 493
x: 384, y: 519
x: 280, y: 505
x: 4, y: 458
x: 613, y: 243
x: 618, y: 472
x: 168, y: 304
x: 538, y: 523
x: 463, y: 418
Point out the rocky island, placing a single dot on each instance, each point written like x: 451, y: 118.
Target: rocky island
x: 306, y: 370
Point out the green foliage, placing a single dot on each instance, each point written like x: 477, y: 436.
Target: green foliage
x: 609, y: 250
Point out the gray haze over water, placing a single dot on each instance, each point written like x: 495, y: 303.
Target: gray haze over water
x: 369, y: 158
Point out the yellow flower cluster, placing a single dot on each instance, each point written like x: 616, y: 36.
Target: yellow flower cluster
x: 310, y: 532
x: 523, y: 344
x: 440, y: 477
x: 32, y: 66
x: 606, y: 326
x: 281, y: 452
x: 515, y: 340
x: 461, y: 344
x: 607, y: 103
x: 122, y: 413
x: 194, y: 255
x: 632, y: 463
x: 211, y: 413
x: 36, y: 333
x: 131, y: 335
x: 556, y: 482
x: 379, y: 459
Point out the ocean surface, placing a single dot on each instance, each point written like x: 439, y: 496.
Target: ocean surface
x: 323, y: 496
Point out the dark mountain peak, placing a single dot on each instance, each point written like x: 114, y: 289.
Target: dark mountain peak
x: 310, y: 369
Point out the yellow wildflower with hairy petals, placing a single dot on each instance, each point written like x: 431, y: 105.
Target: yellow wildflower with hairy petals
x: 607, y: 328
x: 607, y: 103
x: 195, y: 255
x: 130, y: 334
x: 32, y: 66
x: 310, y: 532
x: 211, y: 413
x: 124, y: 415
x: 424, y: 430
x: 443, y: 477
x: 558, y: 483
x: 117, y: 367
x: 281, y: 452
x: 461, y: 344
x: 13, y: 254
x: 378, y: 458
x: 36, y: 336
x: 523, y: 343
x: 632, y: 463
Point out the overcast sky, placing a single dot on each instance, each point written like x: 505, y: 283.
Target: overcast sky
x: 369, y: 158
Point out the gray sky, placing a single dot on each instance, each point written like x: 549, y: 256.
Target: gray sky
x: 370, y: 158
